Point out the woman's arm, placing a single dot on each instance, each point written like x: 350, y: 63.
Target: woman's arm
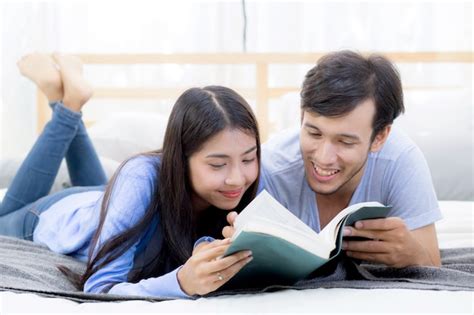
x: 131, y: 196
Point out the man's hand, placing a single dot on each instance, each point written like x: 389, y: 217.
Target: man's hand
x: 229, y: 230
x: 392, y: 244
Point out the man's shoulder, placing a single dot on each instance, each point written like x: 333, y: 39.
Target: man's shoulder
x: 398, y: 144
x: 282, y: 152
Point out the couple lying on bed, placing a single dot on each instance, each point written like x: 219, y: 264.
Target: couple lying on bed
x: 163, y: 222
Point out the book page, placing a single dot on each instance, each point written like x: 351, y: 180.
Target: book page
x: 329, y: 233
x: 266, y: 215
x: 265, y: 206
x: 291, y: 234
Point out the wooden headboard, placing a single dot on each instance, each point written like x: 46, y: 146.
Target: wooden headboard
x: 262, y: 92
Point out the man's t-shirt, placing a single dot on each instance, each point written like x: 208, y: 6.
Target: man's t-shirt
x: 397, y: 175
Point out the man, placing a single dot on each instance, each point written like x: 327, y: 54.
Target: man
x: 346, y: 152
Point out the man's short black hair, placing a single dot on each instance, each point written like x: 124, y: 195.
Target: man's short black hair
x: 342, y: 80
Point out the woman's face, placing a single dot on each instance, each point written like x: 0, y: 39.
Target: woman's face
x: 223, y: 169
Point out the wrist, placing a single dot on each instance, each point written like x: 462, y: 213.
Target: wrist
x: 180, y: 276
x: 424, y: 258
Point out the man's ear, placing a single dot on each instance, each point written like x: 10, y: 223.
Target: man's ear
x: 380, y: 139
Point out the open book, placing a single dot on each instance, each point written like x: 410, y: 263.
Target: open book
x: 285, y: 249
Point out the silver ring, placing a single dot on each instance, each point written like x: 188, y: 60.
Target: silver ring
x: 219, y: 276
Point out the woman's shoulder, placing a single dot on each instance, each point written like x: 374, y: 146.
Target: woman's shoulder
x: 143, y: 165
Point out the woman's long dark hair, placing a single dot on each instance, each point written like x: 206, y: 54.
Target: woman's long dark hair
x: 198, y: 115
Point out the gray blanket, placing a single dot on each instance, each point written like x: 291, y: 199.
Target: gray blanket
x: 29, y: 267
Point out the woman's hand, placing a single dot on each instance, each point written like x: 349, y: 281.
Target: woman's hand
x: 206, y: 270
x: 229, y: 230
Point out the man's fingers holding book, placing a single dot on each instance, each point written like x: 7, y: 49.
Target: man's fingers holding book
x: 353, y: 234
x: 384, y: 224
x: 370, y: 246
x: 375, y: 229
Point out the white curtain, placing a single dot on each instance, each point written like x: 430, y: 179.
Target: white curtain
x: 217, y: 26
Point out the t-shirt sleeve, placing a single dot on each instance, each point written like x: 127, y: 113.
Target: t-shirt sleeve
x: 131, y: 195
x: 410, y: 190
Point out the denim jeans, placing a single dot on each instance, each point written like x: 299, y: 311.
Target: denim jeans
x: 64, y: 136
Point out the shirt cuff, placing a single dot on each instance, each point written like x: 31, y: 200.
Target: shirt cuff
x: 166, y: 286
x: 177, y: 286
x: 204, y: 239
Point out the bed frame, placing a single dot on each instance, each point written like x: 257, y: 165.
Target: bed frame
x: 262, y: 92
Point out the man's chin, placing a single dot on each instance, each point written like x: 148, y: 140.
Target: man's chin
x: 321, y: 190
x: 325, y: 192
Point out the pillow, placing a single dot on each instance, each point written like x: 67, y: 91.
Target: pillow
x: 122, y: 135
x: 2, y: 193
x: 9, y: 167
x: 440, y: 122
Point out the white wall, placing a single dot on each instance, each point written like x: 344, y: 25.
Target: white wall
x: 216, y: 26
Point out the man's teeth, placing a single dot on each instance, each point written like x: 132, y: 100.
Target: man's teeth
x: 325, y: 172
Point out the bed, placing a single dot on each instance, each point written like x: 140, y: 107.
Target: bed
x: 122, y: 134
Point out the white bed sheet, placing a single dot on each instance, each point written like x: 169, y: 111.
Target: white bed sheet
x: 455, y: 230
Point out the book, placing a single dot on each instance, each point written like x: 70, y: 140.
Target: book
x: 286, y: 250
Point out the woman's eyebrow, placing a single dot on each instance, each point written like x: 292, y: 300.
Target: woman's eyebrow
x: 223, y: 156
x: 250, y: 150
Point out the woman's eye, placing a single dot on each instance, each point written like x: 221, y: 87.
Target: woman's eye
x: 217, y: 166
x: 247, y: 161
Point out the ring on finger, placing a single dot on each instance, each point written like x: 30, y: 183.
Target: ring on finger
x: 219, y: 277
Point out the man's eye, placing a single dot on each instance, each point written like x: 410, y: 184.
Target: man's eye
x: 314, y: 134
x: 347, y: 143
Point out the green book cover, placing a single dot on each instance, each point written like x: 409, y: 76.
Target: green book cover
x: 277, y: 259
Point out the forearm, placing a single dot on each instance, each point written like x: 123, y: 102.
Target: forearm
x: 429, y: 254
x: 165, y: 286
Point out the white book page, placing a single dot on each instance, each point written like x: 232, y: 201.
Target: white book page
x: 329, y: 232
x: 265, y: 206
x: 266, y: 215
x: 309, y: 242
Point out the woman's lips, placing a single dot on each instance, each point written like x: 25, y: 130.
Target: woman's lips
x: 232, y: 194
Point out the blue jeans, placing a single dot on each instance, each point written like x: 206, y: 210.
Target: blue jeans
x: 64, y: 136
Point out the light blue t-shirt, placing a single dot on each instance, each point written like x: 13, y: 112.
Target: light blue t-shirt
x: 68, y: 226
x: 397, y: 175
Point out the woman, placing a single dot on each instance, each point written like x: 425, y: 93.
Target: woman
x: 137, y: 233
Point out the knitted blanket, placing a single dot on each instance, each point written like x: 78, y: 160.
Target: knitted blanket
x: 29, y: 267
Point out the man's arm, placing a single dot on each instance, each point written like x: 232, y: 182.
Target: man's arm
x: 393, y: 244
x: 427, y: 236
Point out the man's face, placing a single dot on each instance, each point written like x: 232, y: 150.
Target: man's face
x: 335, y: 149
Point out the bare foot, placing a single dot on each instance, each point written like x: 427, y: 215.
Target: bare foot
x: 77, y: 91
x: 42, y: 70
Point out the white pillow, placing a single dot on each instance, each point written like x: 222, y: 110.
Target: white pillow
x: 9, y: 167
x: 122, y: 135
x: 2, y: 193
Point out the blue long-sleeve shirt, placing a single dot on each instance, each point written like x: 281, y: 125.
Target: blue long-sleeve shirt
x: 68, y: 226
